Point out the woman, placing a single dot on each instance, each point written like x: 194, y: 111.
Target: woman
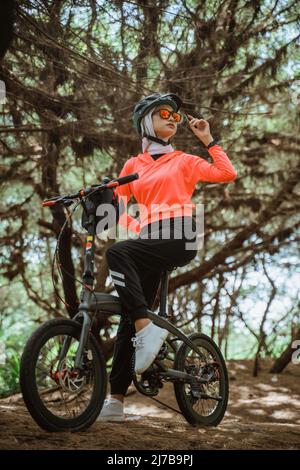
x: 167, y: 178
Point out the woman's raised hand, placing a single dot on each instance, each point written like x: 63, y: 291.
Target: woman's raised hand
x: 201, y: 129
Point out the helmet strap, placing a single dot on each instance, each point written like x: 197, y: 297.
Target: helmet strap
x: 156, y: 139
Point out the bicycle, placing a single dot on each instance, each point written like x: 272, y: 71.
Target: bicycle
x: 63, y: 374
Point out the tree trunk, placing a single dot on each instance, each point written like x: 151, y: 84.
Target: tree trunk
x: 7, y: 16
x: 285, y: 357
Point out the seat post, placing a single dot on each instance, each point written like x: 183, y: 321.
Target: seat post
x: 163, y: 304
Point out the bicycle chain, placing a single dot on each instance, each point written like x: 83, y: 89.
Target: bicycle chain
x: 167, y: 406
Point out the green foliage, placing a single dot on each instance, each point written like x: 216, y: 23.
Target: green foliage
x: 9, y: 372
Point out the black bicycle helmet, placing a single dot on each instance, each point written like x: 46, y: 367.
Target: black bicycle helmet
x: 151, y: 101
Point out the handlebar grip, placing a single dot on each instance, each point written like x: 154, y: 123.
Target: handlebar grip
x: 51, y: 201
x: 123, y: 180
x: 128, y: 178
x: 48, y: 203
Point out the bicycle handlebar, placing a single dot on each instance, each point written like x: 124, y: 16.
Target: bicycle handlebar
x: 68, y: 199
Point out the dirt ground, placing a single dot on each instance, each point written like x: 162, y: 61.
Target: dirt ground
x: 263, y: 413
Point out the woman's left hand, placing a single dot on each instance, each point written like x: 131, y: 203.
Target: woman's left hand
x: 201, y: 129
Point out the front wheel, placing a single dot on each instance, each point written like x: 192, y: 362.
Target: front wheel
x: 59, y: 397
x: 202, y: 403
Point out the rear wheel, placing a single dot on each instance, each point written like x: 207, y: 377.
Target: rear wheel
x: 59, y: 397
x: 202, y: 403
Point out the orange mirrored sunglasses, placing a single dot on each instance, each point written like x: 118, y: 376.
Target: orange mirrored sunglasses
x: 165, y: 114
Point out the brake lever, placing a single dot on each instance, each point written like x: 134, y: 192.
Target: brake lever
x: 58, y: 202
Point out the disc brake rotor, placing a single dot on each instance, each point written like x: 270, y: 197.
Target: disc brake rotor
x: 69, y: 379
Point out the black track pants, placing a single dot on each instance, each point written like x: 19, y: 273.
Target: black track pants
x: 135, y: 267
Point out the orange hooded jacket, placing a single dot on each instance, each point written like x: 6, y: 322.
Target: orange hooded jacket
x: 166, y: 185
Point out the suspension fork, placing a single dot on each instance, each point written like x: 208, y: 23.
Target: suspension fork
x: 85, y: 329
x: 85, y: 320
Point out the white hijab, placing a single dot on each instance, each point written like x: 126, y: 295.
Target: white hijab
x: 149, y: 145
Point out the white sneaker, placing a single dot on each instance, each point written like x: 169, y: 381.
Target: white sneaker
x: 112, y: 410
x: 147, y: 343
